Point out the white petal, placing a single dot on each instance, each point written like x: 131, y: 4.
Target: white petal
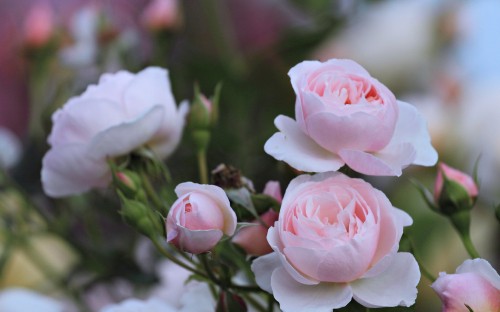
x: 128, y: 136
x: 68, y: 170
x: 294, y: 296
x: 395, y: 286
x: 482, y: 268
x: 169, y: 135
x: 411, y: 127
x: 292, y: 146
x: 263, y: 267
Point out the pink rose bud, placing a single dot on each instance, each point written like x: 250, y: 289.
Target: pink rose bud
x: 457, y: 176
x: 475, y: 284
x: 343, y: 116
x: 336, y: 239
x: 39, y: 25
x: 161, y: 14
x: 273, y: 189
x: 199, y: 217
x: 252, y: 238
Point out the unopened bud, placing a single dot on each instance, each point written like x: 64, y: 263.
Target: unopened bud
x: 128, y: 182
x: 161, y: 15
x: 39, y: 25
x: 454, y: 190
x: 142, y: 218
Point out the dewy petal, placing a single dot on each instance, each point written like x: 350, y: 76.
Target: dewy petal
x: 395, y: 286
x: 482, y: 268
x: 411, y: 128
x: 294, y: 296
x: 68, y: 170
x: 128, y: 136
x: 263, y: 267
x: 292, y: 146
x: 381, y: 163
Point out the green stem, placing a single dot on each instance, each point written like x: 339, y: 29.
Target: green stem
x: 423, y: 269
x: 170, y: 257
x: 270, y: 303
x: 469, y: 246
x: 206, y: 266
x: 202, y: 166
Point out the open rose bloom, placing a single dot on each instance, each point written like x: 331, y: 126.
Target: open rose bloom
x: 344, y: 116
x: 336, y: 239
x: 475, y: 283
x: 122, y: 113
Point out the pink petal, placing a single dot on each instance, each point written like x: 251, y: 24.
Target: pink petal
x: 384, y: 163
x: 67, y: 170
x: 197, y: 241
x: 411, y: 128
x: 298, y: 150
x: 395, y: 286
x: 482, y: 268
x: 263, y: 267
x: 273, y: 189
x: 128, y: 136
x: 357, y: 131
x: 294, y: 296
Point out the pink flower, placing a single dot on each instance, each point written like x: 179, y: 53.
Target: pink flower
x: 344, y: 116
x: 454, y: 175
x: 122, y: 113
x: 253, y: 238
x: 337, y: 239
x: 199, y: 218
x: 39, y: 25
x: 475, y: 284
x: 161, y: 14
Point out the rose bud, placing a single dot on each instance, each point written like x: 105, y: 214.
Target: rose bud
x: 199, y: 217
x: 39, y: 25
x: 454, y: 190
x: 252, y: 238
x: 475, y: 285
x: 161, y: 15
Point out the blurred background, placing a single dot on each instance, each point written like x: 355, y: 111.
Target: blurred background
x: 441, y: 56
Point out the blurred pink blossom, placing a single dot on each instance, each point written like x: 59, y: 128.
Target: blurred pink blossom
x: 161, y: 14
x: 39, y: 26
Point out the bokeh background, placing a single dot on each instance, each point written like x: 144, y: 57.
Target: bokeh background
x: 441, y: 56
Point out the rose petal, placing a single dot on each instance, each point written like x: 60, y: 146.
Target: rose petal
x: 294, y: 296
x: 298, y: 150
x: 411, y: 128
x: 77, y: 121
x: 149, y: 87
x: 395, y: 286
x: 128, y: 136
x: 482, y: 268
x: 68, y: 170
x: 357, y: 131
x: 385, y: 163
x: 170, y: 133
x: 197, y: 241
x: 263, y: 268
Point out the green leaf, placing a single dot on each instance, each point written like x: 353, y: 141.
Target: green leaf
x: 426, y: 194
x: 243, y: 198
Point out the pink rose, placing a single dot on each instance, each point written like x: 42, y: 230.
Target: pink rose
x: 253, y: 238
x: 337, y: 239
x: 344, y: 116
x: 199, y: 218
x: 454, y: 175
x: 122, y: 113
x: 475, y: 284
